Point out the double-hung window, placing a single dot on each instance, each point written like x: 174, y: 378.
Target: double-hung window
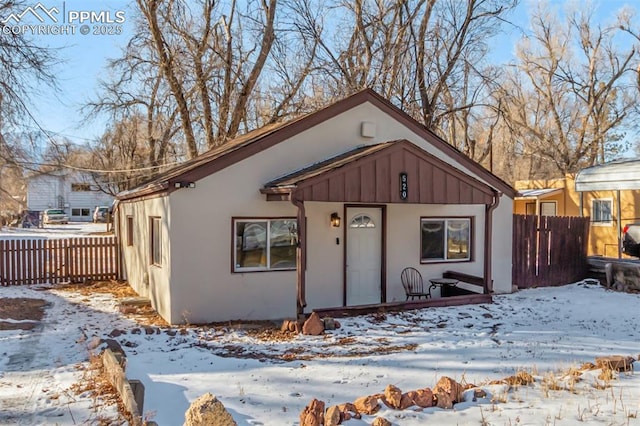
x: 601, y: 211
x: 445, y: 239
x: 264, y: 244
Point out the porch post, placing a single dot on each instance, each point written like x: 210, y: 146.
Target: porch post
x: 488, y: 230
x: 619, y: 224
x: 301, y: 255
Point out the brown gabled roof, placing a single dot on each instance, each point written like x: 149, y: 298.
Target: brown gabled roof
x: 258, y: 140
x: 371, y: 174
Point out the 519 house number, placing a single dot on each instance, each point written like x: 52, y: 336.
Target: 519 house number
x: 404, y: 186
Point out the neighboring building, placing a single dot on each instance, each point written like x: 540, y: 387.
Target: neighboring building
x: 598, y: 198
x: 72, y: 192
x: 322, y: 211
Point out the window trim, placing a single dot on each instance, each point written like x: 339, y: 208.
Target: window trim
x: 267, y: 219
x: 152, y: 238
x: 471, y: 257
x: 129, y: 230
x: 602, y: 223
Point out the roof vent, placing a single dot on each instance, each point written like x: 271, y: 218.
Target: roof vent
x: 368, y: 129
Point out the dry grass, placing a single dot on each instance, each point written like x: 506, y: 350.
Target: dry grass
x: 21, y: 309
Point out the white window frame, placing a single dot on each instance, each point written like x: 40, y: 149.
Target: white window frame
x: 593, y: 218
x: 446, y: 220
x: 155, y: 237
x: 268, y: 267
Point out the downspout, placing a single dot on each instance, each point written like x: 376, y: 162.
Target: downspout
x: 301, y: 255
x: 488, y: 231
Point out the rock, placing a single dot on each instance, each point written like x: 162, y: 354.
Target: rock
x: 333, y: 416
x: 288, y: 326
x: 615, y: 362
x: 115, y: 333
x: 207, y: 410
x: 136, y: 331
x: 449, y: 387
x: 337, y: 324
x: 479, y: 393
x: 313, y: 326
x: 313, y: 414
x: 170, y: 332
x: 329, y: 323
x: 423, y: 398
x: 444, y: 400
x: 348, y: 411
x: 392, y: 396
x: 405, y: 402
x: 367, y: 404
x: 381, y: 421
x: 149, y: 330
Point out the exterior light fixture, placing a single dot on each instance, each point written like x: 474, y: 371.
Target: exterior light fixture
x: 184, y: 184
x: 335, y: 220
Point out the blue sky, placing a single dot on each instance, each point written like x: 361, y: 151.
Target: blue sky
x: 84, y: 57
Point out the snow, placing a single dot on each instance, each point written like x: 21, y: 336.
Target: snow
x: 540, y: 331
x: 53, y: 231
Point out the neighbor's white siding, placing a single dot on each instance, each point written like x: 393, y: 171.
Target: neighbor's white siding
x: 55, y: 191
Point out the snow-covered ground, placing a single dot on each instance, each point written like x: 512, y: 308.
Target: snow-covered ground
x: 70, y: 230
x: 537, y: 330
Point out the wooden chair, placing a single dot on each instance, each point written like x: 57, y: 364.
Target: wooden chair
x: 413, y: 285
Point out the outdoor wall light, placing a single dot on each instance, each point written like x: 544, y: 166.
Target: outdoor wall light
x: 185, y: 184
x: 335, y: 220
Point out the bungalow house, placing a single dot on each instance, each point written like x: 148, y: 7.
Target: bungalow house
x: 322, y: 211
x: 608, y: 193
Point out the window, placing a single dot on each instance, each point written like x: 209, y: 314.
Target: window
x: 601, y: 211
x: 548, y: 208
x: 445, y: 239
x: 75, y: 187
x: 80, y: 212
x: 265, y: 244
x: 530, y: 209
x: 129, y: 230
x: 156, y: 244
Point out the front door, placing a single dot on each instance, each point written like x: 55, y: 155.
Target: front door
x: 364, y: 255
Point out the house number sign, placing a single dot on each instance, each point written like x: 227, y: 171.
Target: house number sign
x: 404, y: 186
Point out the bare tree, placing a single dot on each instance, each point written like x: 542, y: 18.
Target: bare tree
x: 568, y: 95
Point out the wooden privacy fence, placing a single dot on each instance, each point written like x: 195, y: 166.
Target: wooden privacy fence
x: 52, y: 261
x: 549, y: 250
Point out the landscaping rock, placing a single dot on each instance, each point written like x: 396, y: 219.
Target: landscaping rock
x: 392, y: 396
x: 207, y: 410
x: 288, y: 326
x: 313, y: 414
x: 405, y: 402
x: 381, y: 421
x: 116, y: 332
x: 313, y: 326
x: 367, y: 405
x: 448, y: 387
x: 444, y: 400
x: 348, y: 411
x: 423, y: 398
x: 329, y: 323
x: 333, y: 416
x: 615, y: 362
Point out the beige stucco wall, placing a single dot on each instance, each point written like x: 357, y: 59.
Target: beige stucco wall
x: 203, y: 288
x: 147, y: 280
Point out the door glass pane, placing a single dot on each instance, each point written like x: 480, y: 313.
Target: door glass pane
x: 283, y: 242
x: 547, y: 209
x: 251, y: 244
x: 362, y: 221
